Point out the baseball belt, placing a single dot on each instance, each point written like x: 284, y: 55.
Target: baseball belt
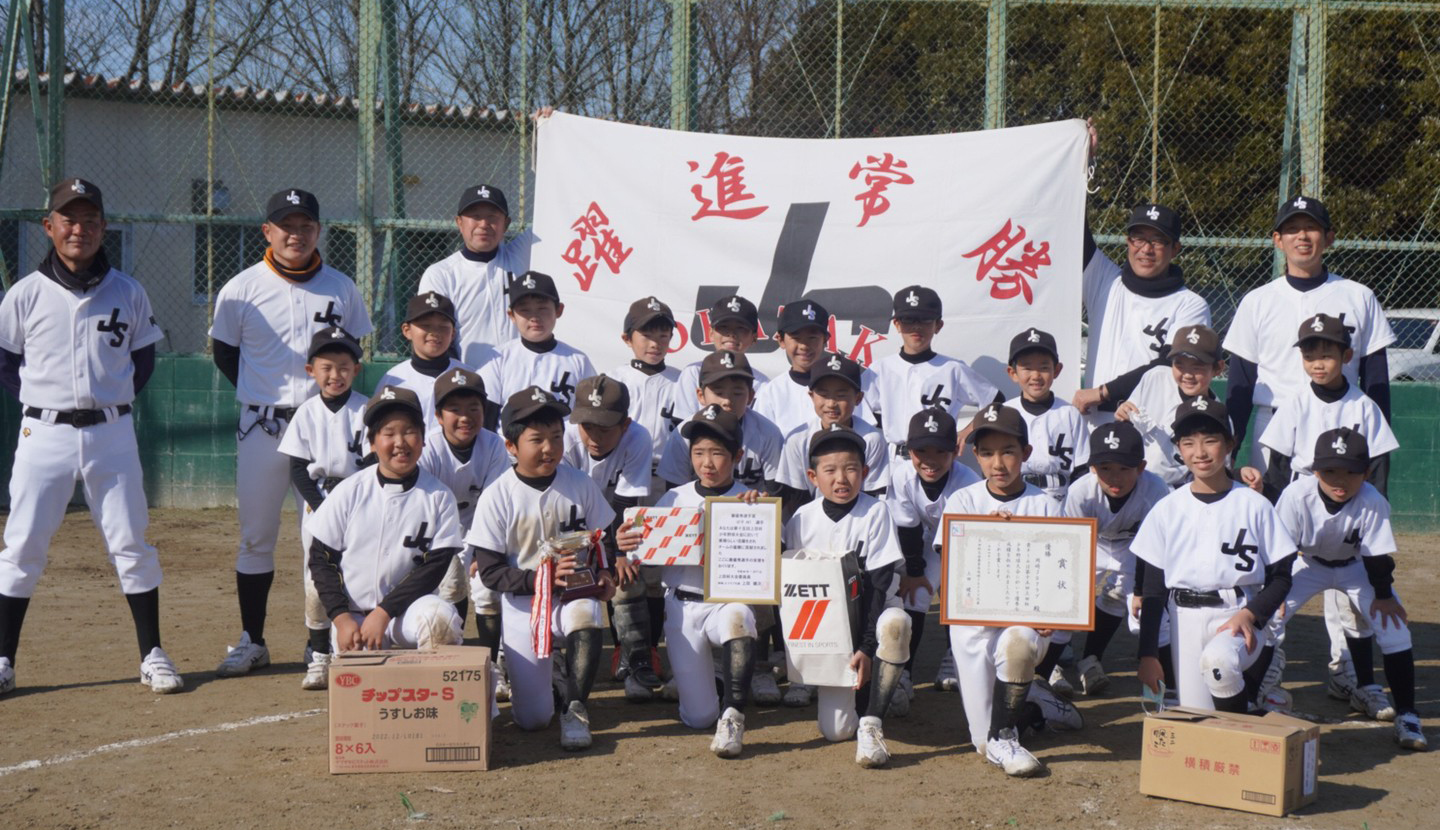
x: 77, y: 417
x: 1186, y: 598
x: 1330, y: 563
x: 688, y: 596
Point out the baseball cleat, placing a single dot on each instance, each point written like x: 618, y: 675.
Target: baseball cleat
x: 729, y: 734
x: 1060, y: 714
x: 798, y: 694
x: 870, y: 749
x: 1409, y: 734
x: 1058, y: 684
x: 242, y: 658
x: 157, y: 672
x: 904, y: 693
x: 637, y: 692
x: 7, y: 676
x: 643, y: 672
x: 317, y: 670
x: 1372, y: 702
x: 1005, y: 751
x: 1341, y: 684
x: 763, y: 689
x: 574, y: 727
x: 947, y: 679
x: 1093, y: 679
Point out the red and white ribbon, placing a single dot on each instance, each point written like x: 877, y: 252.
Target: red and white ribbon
x: 540, y: 605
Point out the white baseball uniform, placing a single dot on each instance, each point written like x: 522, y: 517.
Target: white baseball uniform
x: 795, y: 456
x: 867, y: 531
x: 984, y: 654
x: 1301, y: 418
x: 1222, y: 546
x: 1060, y: 436
x: 520, y: 364
x: 478, y: 291
x: 466, y: 477
x: 761, y: 445
x: 687, y: 390
x: 652, y: 401
x: 77, y: 349
x: 911, y: 506
x: 1158, y: 398
x: 904, y: 386
x: 407, y: 375
x: 624, y: 472
x: 1128, y: 329
x: 785, y: 400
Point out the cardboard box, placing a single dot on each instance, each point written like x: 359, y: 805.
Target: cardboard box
x: 1257, y: 764
x: 410, y: 711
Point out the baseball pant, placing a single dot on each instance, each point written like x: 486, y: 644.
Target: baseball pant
x: 692, y: 629
x: 1132, y: 621
x: 1258, y: 457
x: 532, y: 703
x: 835, y: 705
x: 984, y: 654
x: 262, y: 478
x: 429, y: 622
x: 1210, y: 665
x: 49, y: 459
x: 1341, y: 621
x: 1351, y: 585
x: 315, y: 616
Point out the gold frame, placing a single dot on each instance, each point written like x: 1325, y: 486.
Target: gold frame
x: 1089, y: 579
x: 709, y: 553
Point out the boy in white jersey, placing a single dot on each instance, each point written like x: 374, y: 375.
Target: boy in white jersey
x: 77, y: 343
x: 1341, y: 524
x: 997, y: 665
x: 326, y: 444
x: 1118, y: 494
x: 917, y: 378
x: 384, y: 538
x: 918, y: 489
x: 844, y: 520
x: 694, y: 627
x: 1149, y: 400
x: 265, y: 317
x: 605, y: 443
x: 1218, y: 560
x: 429, y: 327
x: 802, y: 331
x: 835, y: 388
x: 734, y: 325
x: 649, y: 327
x: 540, y: 499
x: 1057, y: 430
x: 537, y: 357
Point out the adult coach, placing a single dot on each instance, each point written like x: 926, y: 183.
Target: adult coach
x: 78, y: 341
x: 265, y: 317
x: 476, y: 277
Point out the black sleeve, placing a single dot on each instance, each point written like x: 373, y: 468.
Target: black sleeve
x: 1140, y: 568
x: 1379, y: 474
x: 1374, y: 374
x: 10, y: 371
x: 497, y: 575
x: 1381, y: 572
x: 1277, y: 586
x: 424, y: 579
x: 144, y: 360
x: 1122, y: 387
x: 999, y: 397
x: 1090, y: 246
x: 300, y: 477
x: 877, y: 493
x: 1153, y: 605
x: 619, y: 504
x: 227, y: 360
x: 912, y: 547
x: 1277, y: 475
x: 329, y: 584
x: 792, y: 499
x: 1240, y: 397
x: 880, y: 580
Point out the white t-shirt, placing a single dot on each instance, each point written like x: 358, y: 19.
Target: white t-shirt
x: 514, y: 518
x: 1361, y: 527
x: 333, y: 442
x: 866, y: 531
x: 1126, y: 329
x: 478, y: 291
x: 795, y: 457
x: 1299, y: 420
x: 1206, y: 547
x: 517, y: 367
x: 624, y: 472
x: 1115, y: 528
x: 902, y: 388
x: 761, y: 446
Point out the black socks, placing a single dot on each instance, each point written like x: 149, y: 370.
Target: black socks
x: 145, y: 608
x: 254, y: 593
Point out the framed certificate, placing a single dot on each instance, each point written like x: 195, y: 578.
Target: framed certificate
x: 742, y: 551
x: 1024, y: 570
x: 671, y: 535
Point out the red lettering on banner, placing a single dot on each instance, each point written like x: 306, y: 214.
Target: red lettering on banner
x: 606, y: 249
x: 1010, y: 277
x: 727, y: 172
x: 868, y: 338
x: 681, y: 335
x: 880, y: 173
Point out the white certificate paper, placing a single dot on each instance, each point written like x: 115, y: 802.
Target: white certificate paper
x: 742, y: 551
x: 1023, y: 570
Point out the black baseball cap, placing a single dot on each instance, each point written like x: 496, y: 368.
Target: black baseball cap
x: 802, y: 314
x: 1000, y: 418
x: 1324, y: 327
x: 1202, y: 409
x: 533, y: 283
x: 483, y: 194
x: 1031, y: 340
x: 431, y: 302
x: 74, y: 190
x: 332, y: 338
x: 645, y: 311
x: 722, y: 363
x: 715, y: 420
x: 294, y: 200
x: 601, y: 400
x: 1341, y: 449
x: 932, y: 428
x: 528, y: 402
x: 916, y: 302
x: 734, y: 307
x: 389, y: 398
x: 1303, y: 206
x: 1159, y: 217
x: 456, y: 381
x: 1197, y: 341
x: 836, y: 434
x: 836, y: 366
x: 1117, y: 442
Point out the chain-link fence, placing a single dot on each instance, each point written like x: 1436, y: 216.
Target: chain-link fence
x: 189, y: 113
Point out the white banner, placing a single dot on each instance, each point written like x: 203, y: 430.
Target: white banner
x: 991, y: 220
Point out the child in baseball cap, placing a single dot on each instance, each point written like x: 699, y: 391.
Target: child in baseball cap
x: 649, y: 328
x: 429, y: 327
x: 537, y: 357
x: 835, y: 390
x: 732, y: 324
x: 803, y: 333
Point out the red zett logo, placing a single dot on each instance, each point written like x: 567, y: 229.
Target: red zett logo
x: 811, y: 613
x: 347, y: 680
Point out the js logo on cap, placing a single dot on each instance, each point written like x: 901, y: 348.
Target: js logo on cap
x: 1153, y: 214
x: 538, y: 395
x: 594, y: 397
x: 1034, y: 336
x: 834, y: 363
x: 931, y: 425
x: 912, y: 299
x: 388, y: 394
x: 1112, y: 441
x: 1193, y: 337
x: 1340, y: 446
x: 293, y: 198
x: 992, y: 414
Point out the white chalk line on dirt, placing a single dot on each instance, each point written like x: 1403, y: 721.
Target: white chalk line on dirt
x: 136, y: 743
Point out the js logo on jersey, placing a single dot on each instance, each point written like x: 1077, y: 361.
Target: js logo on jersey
x: 562, y: 387
x: 1238, y: 548
x: 1062, y: 452
x: 1353, y: 538
x: 330, y: 318
x: 936, y: 398
x: 419, y: 541
x: 355, y: 446
x: 1158, y: 331
x: 113, y: 326
x: 807, y: 622
x: 575, y: 523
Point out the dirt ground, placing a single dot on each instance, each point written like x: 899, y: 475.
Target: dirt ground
x: 251, y: 751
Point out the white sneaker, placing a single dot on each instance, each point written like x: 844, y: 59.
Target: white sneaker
x: 1059, y: 684
x: 1341, y: 684
x: 763, y: 689
x: 575, y: 727
x: 729, y: 734
x: 904, y: 693
x: 947, y: 679
x: 870, y: 749
x: 1006, y: 752
x: 157, y: 672
x: 1093, y: 679
x: 502, y: 685
x: 637, y: 692
x: 1408, y: 732
x: 7, y: 676
x: 1372, y: 702
x: 798, y: 694
x: 243, y: 657
x: 1059, y: 713
x: 317, y: 670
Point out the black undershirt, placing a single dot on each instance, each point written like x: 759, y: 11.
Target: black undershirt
x: 1038, y: 407
x: 336, y: 403
x: 837, y: 511
x: 405, y: 483
x: 933, y: 489
x: 430, y: 367
x: 647, y: 368
x: 547, y: 345
x: 712, y: 492
x: 917, y: 358
x: 1004, y: 497
x: 541, y: 483
x: 481, y: 256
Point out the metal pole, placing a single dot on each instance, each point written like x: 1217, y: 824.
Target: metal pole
x: 682, y: 64
x: 1312, y: 114
x: 524, y: 106
x: 210, y: 173
x: 12, y: 42
x: 56, y: 95
x: 839, y: 62
x: 394, y: 154
x: 997, y: 43
x: 1288, y: 161
x: 32, y: 75
x: 369, y: 43
x: 1155, y: 112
